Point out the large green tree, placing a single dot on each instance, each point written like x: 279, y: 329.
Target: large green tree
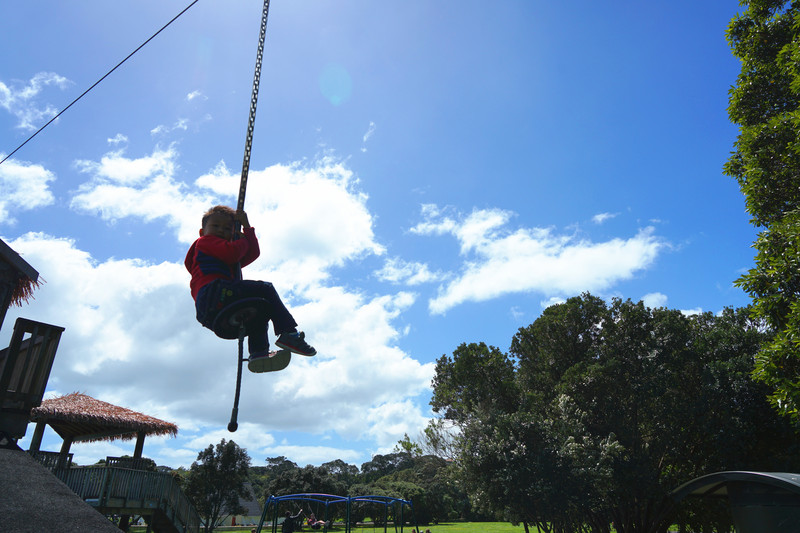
x: 215, y: 482
x: 765, y: 103
x: 600, y: 410
x: 308, y: 479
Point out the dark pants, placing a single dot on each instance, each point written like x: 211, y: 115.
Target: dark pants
x: 212, y: 298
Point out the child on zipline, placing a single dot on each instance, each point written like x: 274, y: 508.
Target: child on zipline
x: 212, y: 261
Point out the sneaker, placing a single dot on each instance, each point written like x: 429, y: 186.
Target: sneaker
x: 296, y: 343
x: 261, y: 353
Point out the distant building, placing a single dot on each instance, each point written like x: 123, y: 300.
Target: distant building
x: 251, y: 516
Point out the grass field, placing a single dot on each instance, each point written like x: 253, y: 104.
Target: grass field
x: 449, y: 527
x: 474, y: 527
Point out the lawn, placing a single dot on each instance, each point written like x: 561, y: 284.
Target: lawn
x: 449, y: 527
x: 474, y: 527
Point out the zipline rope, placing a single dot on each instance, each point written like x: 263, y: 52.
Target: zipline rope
x: 98, y: 81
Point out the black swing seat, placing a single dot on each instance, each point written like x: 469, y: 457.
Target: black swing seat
x: 231, y: 318
x: 275, y: 362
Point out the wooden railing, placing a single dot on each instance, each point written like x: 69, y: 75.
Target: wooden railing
x: 52, y: 460
x: 115, y: 490
x: 141, y: 463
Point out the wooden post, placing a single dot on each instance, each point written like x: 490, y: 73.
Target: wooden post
x: 36, y: 440
x: 124, y: 520
x: 137, y: 452
x: 65, y: 446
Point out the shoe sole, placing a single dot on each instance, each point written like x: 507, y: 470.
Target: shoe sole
x: 274, y: 362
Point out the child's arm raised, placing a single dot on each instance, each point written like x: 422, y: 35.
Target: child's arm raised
x: 250, y: 235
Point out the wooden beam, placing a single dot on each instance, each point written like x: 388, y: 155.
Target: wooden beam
x: 137, y: 453
x: 64, y: 453
x: 36, y: 440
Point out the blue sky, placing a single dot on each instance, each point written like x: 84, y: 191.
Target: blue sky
x: 423, y: 174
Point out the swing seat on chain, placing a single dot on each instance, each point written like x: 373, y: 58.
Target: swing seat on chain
x: 232, y: 323
x: 232, y: 318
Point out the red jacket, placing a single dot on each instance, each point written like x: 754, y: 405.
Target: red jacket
x: 212, y: 257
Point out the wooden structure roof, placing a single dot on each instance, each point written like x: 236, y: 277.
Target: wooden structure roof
x: 20, y: 266
x: 80, y: 418
x: 17, y: 279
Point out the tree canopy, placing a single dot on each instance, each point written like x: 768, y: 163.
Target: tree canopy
x: 600, y: 410
x: 216, y: 482
x: 766, y: 162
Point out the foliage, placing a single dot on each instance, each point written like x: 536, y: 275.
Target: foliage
x: 306, y: 480
x: 215, y: 482
x: 406, y: 445
x: 382, y: 465
x: 601, y: 410
x: 426, y: 480
x: 346, y: 473
x: 765, y: 103
x: 438, y: 439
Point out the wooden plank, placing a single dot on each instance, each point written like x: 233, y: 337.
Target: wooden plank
x: 25, y: 365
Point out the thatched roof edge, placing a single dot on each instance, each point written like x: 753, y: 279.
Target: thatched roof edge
x: 23, y: 291
x: 121, y: 423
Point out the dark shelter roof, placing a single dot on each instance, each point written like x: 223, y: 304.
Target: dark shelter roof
x: 717, y: 484
x: 84, y: 419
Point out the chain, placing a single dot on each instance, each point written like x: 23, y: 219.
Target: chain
x: 253, y: 102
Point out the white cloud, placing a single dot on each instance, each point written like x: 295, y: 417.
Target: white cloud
x: 553, y: 300
x: 143, y: 187
x: 194, y: 95
x: 314, y: 455
x: 20, y: 100
x: 115, y: 168
x: 654, y: 300
x: 317, y: 208
x: 128, y: 317
x: 119, y: 138
x: 602, y: 217
x: 161, y: 129
x: 131, y: 337
x: 396, y: 270
x: 388, y: 420
x: 367, y: 136
x: 499, y: 260
x: 23, y: 186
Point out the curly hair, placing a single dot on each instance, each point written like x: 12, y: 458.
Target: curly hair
x: 218, y: 210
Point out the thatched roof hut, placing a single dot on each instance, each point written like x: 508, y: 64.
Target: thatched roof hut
x: 77, y: 417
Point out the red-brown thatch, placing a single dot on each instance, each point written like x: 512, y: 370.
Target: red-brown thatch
x: 16, y: 274
x: 84, y: 419
x: 23, y: 291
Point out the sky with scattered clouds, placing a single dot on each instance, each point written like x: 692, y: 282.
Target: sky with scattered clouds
x: 423, y: 174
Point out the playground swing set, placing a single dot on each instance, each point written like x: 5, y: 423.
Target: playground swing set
x: 402, y: 511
